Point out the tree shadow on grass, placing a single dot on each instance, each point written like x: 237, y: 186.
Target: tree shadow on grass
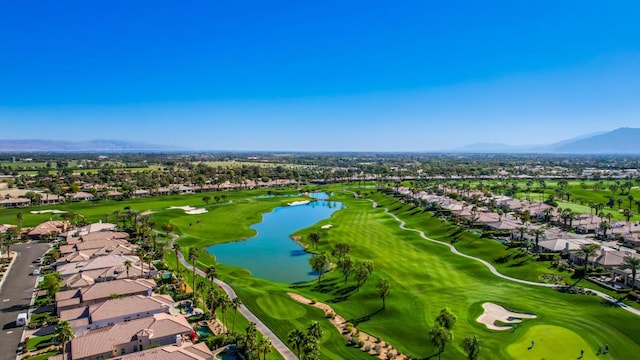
x: 325, y: 287
x: 503, y: 259
x: 433, y: 356
x: 365, y: 318
x: 338, y: 299
x: 417, y: 211
x: 520, y: 263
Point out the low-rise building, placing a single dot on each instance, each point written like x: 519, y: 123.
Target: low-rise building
x: 115, y: 311
x: 15, y: 203
x: 107, y: 268
x: 102, y: 291
x: 80, y: 196
x: 130, y: 337
x: 48, y: 228
x: 186, y: 351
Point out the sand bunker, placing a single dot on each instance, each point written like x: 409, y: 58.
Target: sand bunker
x: 301, y: 202
x: 493, y: 313
x: 48, y: 211
x: 374, y: 346
x: 328, y: 226
x: 190, y: 210
x: 196, y: 211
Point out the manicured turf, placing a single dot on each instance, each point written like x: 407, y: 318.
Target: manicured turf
x: 424, y: 278
x: 34, y: 341
x: 552, y: 342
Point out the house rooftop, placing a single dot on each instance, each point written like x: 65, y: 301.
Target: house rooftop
x: 188, y: 351
x: 100, y: 341
x: 104, y: 290
x: 114, y: 308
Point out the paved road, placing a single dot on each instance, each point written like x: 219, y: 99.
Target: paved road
x: 496, y: 272
x: 15, y: 295
x: 278, y: 344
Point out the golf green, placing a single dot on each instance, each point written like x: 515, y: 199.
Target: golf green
x: 551, y: 342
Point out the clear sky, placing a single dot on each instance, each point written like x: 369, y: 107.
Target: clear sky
x: 318, y: 75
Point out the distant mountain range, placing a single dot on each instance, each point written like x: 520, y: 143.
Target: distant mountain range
x: 31, y: 145
x: 619, y: 141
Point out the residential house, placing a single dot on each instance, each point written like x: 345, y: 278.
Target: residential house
x: 140, y: 193
x: 102, y: 291
x: 186, y: 351
x: 80, y: 196
x: 130, y: 337
x: 50, y: 199
x: 15, y: 203
x: 115, y: 311
x: 48, y: 228
x: 114, y: 194
x: 107, y: 268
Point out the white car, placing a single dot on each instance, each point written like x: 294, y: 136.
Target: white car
x: 36, y: 272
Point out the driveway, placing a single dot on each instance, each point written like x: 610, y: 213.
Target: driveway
x: 15, y: 295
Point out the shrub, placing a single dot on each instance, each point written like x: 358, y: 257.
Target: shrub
x: 44, y: 344
x: 632, y: 295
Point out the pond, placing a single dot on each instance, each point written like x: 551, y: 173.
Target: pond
x: 271, y: 254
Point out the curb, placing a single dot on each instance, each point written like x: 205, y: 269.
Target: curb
x: 6, y: 274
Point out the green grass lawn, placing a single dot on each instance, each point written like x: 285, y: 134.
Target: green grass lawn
x: 552, y: 342
x: 424, y: 278
x: 44, y: 356
x: 34, y: 341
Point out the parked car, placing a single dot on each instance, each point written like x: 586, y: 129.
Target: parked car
x: 36, y: 272
x: 21, y: 320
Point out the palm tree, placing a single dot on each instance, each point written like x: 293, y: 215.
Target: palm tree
x: 193, y: 256
x: 176, y: 249
x: 537, y: 233
x: 267, y: 347
x: 212, y: 273
x: 142, y: 253
x: 604, y: 226
x: 314, y: 237
x: 127, y: 265
x: 472, y: 346
x: 20, y: 217
x: 522, y: 230
x: 225, y: 302
x: 235, y: 303
x: 200, y: 287
x: 630, y: 197
x: 588, y: 250
x: 314, y: 330
x: 64, y: 333
x: 296, y: 338
x: 383, y: 290
x: 632, y: 263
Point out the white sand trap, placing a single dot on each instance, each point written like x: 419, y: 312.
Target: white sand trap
x: 301, y: 202
x: 185, y: 208
x: 493, y: 313
x: 48, y: 211
x: 196, y: 211
x: 328, y: 226
x: 189, y: 210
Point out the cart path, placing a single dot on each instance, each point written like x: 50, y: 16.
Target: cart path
x: 494, y: 271
x: 278, y: 344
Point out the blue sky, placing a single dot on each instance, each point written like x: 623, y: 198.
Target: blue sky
x: 321, y: 75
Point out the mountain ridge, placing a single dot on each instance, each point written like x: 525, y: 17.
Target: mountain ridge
x: 39, y: 145
x: 617, y: 141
